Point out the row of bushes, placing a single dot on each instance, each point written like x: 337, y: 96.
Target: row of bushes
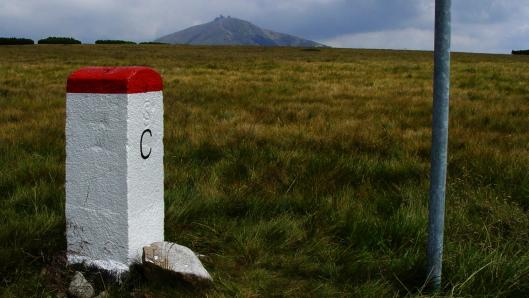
x: 523, y: 52
x: 64, y: 40
x: 112, y: 41
x: 15, y: 41
x: 59, y: 40
x: 49, y: 40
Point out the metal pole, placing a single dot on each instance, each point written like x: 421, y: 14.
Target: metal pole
x: 439, y: 141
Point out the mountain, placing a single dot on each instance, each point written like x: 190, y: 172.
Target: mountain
x: 233, y: 31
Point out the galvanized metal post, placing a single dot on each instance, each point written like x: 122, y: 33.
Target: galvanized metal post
x: 439, y: 141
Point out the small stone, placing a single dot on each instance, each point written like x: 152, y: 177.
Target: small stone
x: 177, y: 259
x: 80, y: 287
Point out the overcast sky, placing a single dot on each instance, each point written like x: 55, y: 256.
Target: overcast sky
x: 479, y: 25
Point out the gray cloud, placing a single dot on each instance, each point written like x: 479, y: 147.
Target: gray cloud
x: 479, y: 25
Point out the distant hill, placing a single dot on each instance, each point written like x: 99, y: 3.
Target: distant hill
x: 233, y: 31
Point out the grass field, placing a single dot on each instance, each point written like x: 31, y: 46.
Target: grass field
x: 297, y: 173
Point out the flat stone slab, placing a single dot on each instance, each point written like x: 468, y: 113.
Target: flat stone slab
x: 176, y: 259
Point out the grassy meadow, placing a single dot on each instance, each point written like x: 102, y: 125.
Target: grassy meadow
x: 295, y: 172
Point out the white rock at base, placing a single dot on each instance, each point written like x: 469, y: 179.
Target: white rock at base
x: 177, y: 259
x: 80, y: 287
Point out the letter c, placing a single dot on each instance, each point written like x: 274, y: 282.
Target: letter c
x: 141, y: 144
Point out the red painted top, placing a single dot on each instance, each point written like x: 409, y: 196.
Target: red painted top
x: 130, y: 79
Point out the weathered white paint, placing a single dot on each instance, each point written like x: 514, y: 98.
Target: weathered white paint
x: 145, y: 176
x: 114, y: 197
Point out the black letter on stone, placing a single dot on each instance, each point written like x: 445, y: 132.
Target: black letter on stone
x: 141, y: 144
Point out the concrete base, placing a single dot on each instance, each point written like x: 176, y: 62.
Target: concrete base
x: 116, y: 269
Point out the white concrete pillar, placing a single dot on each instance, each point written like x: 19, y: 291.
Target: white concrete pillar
x: 114, y: 165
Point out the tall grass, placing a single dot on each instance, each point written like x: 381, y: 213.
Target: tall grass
x: 296, y: 173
